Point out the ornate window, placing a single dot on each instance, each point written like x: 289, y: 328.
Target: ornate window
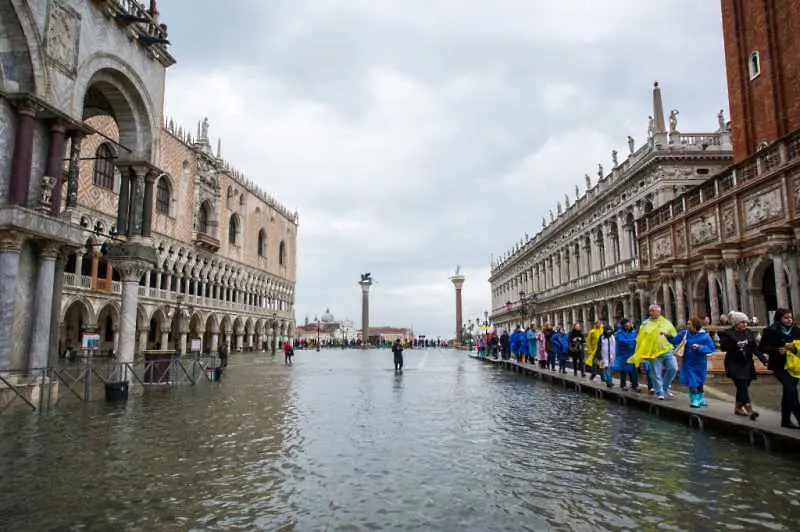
x: 163, y: 196
x: 262, y: 243
x: 202, y: 219
x: 282, y: 254
x: 104, y: 166
x: 233, y: 230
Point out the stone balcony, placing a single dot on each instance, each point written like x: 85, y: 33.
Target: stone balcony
x: 133, y: 17
x: 730, y: 209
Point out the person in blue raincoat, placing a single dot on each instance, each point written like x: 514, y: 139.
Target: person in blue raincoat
x: 698, y: 345
x: 530, y: 333
x: 515, y: 342
x: 560, y: 343
x: 626, y: 343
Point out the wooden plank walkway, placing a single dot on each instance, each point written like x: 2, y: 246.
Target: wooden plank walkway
x: 765, y: 432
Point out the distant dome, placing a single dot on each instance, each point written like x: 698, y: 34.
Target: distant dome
x: 327, y: 317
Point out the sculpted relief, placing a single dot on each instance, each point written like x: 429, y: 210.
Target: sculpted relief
x: 63, y: 31
x: 703, y: 230
x: 662, y: 247
x: 680, y: 241
x: 729, y: 222
x: 763, y: 207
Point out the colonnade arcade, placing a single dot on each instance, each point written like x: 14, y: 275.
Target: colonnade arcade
x: 170, y: 327
x: 756, y: 285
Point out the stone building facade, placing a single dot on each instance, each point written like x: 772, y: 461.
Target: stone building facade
x: 73, y: 72
x: 583, y: 264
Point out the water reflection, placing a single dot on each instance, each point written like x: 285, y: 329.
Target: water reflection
x: 340, y: 442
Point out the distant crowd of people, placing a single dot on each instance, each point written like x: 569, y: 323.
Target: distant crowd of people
x: 656, y: 346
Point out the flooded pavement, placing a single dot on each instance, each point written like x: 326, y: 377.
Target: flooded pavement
x: 339, y: 442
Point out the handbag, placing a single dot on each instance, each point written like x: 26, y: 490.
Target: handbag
x: 681, y: 347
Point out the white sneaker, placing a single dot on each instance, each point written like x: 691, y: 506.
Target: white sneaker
x: 660, y: 397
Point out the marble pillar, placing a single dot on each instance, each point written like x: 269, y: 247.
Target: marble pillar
x: 781, y: 289
x: 747, y: 308
x: 73, y: 170
x: 130, y: 273
x: 22, y: 158
x: 43, y: 306
x: 713, y: 296
x: 147, y: 215
x: 10, y: 246
x: 365, y: 284
x: 55, y: 165
x: 794, y: 282
x: 165, y: 339
x: 214, y: 341
x: 680, y: 305
x: 732, y: 301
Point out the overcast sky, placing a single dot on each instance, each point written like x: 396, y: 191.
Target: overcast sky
x: 417, y: 135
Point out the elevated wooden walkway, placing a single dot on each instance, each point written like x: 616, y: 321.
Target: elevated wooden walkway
x: 765, y: 432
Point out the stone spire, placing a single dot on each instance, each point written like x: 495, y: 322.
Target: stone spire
x: 658, y: 110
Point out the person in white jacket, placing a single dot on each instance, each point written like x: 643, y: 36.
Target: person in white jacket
x: 608, y: 351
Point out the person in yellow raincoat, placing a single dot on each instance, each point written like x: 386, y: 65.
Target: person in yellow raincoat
x: 653, y: 346
x: 592, y: 340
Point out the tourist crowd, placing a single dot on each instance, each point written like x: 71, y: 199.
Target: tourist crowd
x: 656, y: 347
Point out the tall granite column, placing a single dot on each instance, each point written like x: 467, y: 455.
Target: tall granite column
x: 713, y: 296
x: 680, y: 299
x: 365, y: 283
x: 458, y: 283
x: 781, y: 290
x: 43, y: 311
x: 23, y: 155
x: 10, y: 246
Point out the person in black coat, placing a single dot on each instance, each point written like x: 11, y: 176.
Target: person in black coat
x: 773, y: 343
x: 740, y: 347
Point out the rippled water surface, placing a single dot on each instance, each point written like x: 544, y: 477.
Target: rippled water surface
x: 338, y: 442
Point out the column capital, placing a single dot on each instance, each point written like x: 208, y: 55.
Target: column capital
x: 49, y: 249
x: 131, y: 271
x: 11, y: 240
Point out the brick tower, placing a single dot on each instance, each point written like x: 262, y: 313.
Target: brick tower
x: 762, y: 60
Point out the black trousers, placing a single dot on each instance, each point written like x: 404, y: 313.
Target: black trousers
x: 789, y: 401
x: 577, y: 363
x: 742, y: 390
x: 398, y: 361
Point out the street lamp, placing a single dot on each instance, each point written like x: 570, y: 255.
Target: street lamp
x: 316, y: 319
x: 274, y: 331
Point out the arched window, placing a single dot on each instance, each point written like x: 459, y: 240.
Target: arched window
x: 163, y: 196
x: 282, y: 254
x: 104, y: 166
x: 262, y: 243
x: 202, y: 219
x: 754, y: 66
x: 233, y: 230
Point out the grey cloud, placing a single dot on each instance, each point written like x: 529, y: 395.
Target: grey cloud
x: 414, y: 136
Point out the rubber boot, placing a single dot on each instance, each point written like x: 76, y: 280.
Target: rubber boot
x: 753, y: 413
x: 694, y: 400
x: 703, y: 401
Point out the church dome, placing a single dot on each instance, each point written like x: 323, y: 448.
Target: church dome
x: 327, y: 317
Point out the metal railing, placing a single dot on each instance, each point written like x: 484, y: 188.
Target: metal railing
x: 84, y: 380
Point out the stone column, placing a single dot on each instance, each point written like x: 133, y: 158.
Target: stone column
x: 458, y: 283
x: 23, y: 155
x: 55, y: 307
x: 365, y: 283
x: 780, y: 279
x: 643, y: 304
x: 794, y: 282
x: 214, y: 341
x: 165, y: 338
x: 730, y: 287
x: 130, y: 273
x: 624, y: 240
x: 10, y: 246
x: 680, y: 306
x: 147, y: 215
x: 43, y: 306
x: 713, y: 296
x: 747, y: 308
x: 123, y: 205
x: 627, y: 307
x: 74, y: 169
x: 55, y: 165
x: 609, y: 246
x: 665, y: 298
x: 142, y: 340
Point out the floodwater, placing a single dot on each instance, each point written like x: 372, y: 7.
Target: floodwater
x: 339, y: 442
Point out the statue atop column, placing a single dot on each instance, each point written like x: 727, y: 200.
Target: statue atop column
x: 673, y: 121
x: 614, y: 158
x: 600, y: 170
x: 631, y: 144
x: 721, y: 120
x: 588, y: 181
x: 204, y: 129
x: 651, y: 127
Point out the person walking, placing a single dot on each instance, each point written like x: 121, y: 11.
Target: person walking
x: 607, y: 351
x: 626, y: 343
x: 541, y: 349
x: 740, y: 347
x: 592, y: 339
x: 697, y: 346
x: 560, y: 347
x: 773, y: 343
x: 530, y: 333
x: 652, y: 345
x: 577, y: 342
x: 397, y: 351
